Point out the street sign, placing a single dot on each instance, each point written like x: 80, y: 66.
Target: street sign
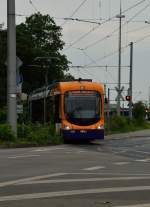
x: 19, y: 109
x: 119, y: 93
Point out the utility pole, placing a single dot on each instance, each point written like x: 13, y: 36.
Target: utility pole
x: 108, y: 109
x: 120, y: 16
x: 149, y: 97
x: 11, y: 64
x: 131, y: 80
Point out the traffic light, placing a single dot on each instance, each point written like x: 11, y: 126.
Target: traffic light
x: 128, y: 98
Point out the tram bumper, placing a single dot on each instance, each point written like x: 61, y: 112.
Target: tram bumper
x: 83, y: 134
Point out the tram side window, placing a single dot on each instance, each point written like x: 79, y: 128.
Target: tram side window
x: 37, y: 111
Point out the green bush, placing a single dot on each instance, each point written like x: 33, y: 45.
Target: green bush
x: 139, y: 113
x: 119, y: 124
x: 38, y: 134
x: 6, y: 133
x: 2, y: 116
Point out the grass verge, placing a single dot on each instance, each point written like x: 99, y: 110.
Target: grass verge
x: 119, y: 124
x: 29, y: 135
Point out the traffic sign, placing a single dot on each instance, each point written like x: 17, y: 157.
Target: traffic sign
x: 19, y: 109
x: 119, y: 93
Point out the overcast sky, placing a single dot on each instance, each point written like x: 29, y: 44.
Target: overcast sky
x: 80, y: 50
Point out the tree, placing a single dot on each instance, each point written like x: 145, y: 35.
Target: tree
x: 39, y: 36
x: 139, y: 112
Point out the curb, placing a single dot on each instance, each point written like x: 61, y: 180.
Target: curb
x: 135, y: 134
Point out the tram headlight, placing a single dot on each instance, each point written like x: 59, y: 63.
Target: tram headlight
x: 100, y: 127
x: 66, y: 127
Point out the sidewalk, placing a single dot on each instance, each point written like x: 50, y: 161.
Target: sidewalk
x: 141, y: 133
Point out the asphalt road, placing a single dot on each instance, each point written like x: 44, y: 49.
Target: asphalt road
x: 112, y: 173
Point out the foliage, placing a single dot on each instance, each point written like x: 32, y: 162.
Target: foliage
x: 29, y: 135
x: 39, y: 36
x: 6, y: 133
x: 2, y: 115
x: 119, y: 123
x: 139, y: 112
x: 38, y: 134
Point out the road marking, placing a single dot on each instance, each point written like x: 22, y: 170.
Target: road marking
x: 72, y: 192
x: 113, y: 174
x: 94, y: 168
x: 138, y: 205
x: 81, y: 151
x: 23, y: 156
x: 143, y: 160
x: 122, y: 163
x: 142, y: 152
x: 82, y: 180
x: 122, y: 151
x: 13, y: 182
x: 48, y: 149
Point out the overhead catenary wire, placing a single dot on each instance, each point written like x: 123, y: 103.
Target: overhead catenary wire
x: 32, y: 4
x: 75, y: 11
x: 112, y: 53
x: 139, y: 12
x: 124, y: 47
x: 141, y: 39
x: 96, y: 27
x: 82, y: 20
x: 137, y: 29
x: 115, y: 30
x: 108, y: 55
x: 98, y: 66
x: 101, y: 40
x: 85, y: 53
x: 133, y: 6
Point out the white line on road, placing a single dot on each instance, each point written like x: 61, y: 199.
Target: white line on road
x: 106, y: 173
x: 94, y: 168
x: 13, y: 182
x: 143, y: 160
x: 138, y: 205
x: 81, y: 151
x: 122, y: 151
x: 48, y: 149
x: 121, y: 163
x: 142, y: 152
x: 23, y: 156
x: 82, y: 180
x: 72, y: 192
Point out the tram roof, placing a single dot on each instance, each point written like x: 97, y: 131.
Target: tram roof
x: 80, y: 84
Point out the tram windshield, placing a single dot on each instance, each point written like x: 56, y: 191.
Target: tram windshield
x: 82, y: 107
